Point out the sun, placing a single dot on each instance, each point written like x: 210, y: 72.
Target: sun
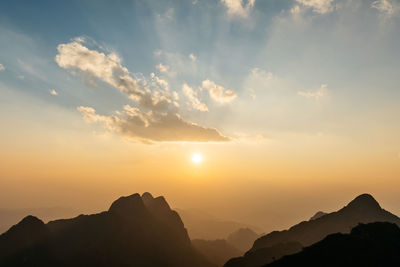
x: 197, y: 158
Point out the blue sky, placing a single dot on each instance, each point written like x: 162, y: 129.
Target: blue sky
x: 298, y: 65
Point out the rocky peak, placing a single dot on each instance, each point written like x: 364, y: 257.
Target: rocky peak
x: 132, y: 204
x: 364, y: 202
x: 317, y: 215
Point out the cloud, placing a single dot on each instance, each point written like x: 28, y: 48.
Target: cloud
x: 218, y: 93
x: 151, y: 127
x: 53, y: 92
x: 318, y: 6
x: 156, y: 117
x: 162, y: 68
x: 385, y: 7
x: 2, y: 67
x: 238, y: 8
x: 261, y: 74
x: 316, y: 94
x: 192, y: 57
x: 194, y: 101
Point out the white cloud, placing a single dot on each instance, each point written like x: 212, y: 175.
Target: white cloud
x: 157, y: 53
x: 53, y: 92
x: 316, y: 94
x: 386, y: 7
x: 261, y: 74
x: 192, y: 96
x: 318, y: 6
x: 149, y: 127
x: 175, y: 95
x: 218, y: 93
x: 238, y: 7
x: 162, y: 68
x: 2, y: 67
x: 192, y: 57
x: 157, y: 116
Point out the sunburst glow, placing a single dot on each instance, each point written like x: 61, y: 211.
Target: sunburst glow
x: 197, y: 158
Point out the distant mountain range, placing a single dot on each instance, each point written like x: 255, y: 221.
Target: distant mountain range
x: 243, y: 238
x: 220, y: 250
x: 368, y: 245
x: 216, y: 251
x: 363, y: 209
x: 135, y: 231
x: 202, y: 225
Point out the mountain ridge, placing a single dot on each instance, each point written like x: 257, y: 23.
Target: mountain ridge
x: 130, y: 233
x: 362, y: 209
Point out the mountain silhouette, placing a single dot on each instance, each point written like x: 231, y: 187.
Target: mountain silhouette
x: 317, y: 215
x: 220, y: 250
x: 373, y: 245
x: 243, y: 238
x: 262, y: 256
x: 9, y: 217
x: 216, y: 251
x: 202, y: 225
x: 363, y: 209
x: 135, y: 231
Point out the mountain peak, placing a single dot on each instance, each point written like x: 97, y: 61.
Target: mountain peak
x: 318, y: 215
x: 127, y: 205
x: 146, y: 196
x: 364, y: 201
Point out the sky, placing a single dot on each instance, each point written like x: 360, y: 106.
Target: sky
x: 292, y: 104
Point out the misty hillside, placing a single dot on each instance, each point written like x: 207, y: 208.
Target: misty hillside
x: 363, y: 209
x: 216, y: 251
x: 220, y: 251
x: 373, y: 245
x: 202, y: 225
x: 135, y: 231
x: 242, y: 239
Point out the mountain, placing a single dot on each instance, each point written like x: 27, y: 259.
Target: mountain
x: 9, y: 217
x: 373, y: 245
x: 135, y: 231
x: 363, y: 209
x: 202, y: 225
x: 317, y: 215
x: 242, y: 239
x: 262, y: 256
x: 220, y: 250
x: 216, y: 251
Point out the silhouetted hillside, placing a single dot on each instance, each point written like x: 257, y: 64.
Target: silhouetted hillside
x: 373, y: 245
x: 317, y: 215
x: 9, y: 217
x: 264, y: 255
x: 363, y: 209
x: 242, y: 239
x: 216, y: 251
x: 135, y: 231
